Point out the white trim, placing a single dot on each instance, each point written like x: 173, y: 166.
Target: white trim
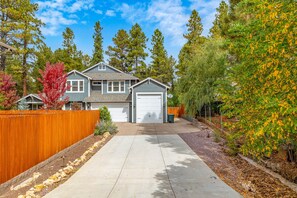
x: 133, y: 107
x: 166, y: 116
x: 100, y: 70
x: 103, y: 66
x: 120, y: 91
x: 75, y: 71
x: 89, y: 88
x: 31, y: 95
x: 135, y: 85
x: 102, y: 86
x: 77, y: 86
x: 151, y: 93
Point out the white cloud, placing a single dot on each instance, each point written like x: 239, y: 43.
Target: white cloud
x: 110, y: 13
x: 98, y: 11
x: 207, y: 11
x: 169, y: 16
x: 132, y: 13
x: 57, y: 13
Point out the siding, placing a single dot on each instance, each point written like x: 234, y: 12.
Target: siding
x: 150, y: 87
x: 108, y: 70
x: 78, y: 96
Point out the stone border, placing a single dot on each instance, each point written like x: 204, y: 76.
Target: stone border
x: 283, y: 180
x: 31, y: 170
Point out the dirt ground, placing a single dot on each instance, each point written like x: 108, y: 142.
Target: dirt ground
x: 52, y: 167
x: 236, y: 172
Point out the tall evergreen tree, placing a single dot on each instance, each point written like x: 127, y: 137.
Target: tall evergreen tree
x: 44, y: 55
x: 28, y: 36
x: 69, y: 55
x: 68, y: 42
x: 118, y: 54
x: 137, y: 46
x: 98, y: 44
x: 159, y: 65
x: 9, y: 14
x: 221, y: 23
x: 194, y: 39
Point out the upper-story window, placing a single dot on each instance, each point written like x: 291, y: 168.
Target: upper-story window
x: 97, y: 84
x: 75, y: 86
x: 116, y: 87
x: 101, y: 67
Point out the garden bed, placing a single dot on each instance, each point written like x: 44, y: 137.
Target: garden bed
x: 235, y: 171
x: 54, y: 166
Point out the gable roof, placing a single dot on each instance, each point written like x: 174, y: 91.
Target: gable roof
x: 75, y: 71
x: 148, y: 79
x: 30, y: 95
x: 105, y: 65
x: 111, y: 76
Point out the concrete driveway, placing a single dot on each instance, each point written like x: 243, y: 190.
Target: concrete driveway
x: 148, y: 160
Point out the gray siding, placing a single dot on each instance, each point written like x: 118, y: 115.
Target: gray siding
x: 150, y: 87
x: 78, y: 96
x: 108, y: 70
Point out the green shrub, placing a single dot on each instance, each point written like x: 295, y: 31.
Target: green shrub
x: 104, y: 114
x: 105, y: 126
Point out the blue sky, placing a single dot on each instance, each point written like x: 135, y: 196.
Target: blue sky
x: 169, y: 16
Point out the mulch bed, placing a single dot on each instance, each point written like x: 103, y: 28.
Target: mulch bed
x: 245, y: 178
x: 52, y: 167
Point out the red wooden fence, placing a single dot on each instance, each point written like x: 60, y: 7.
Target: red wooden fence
x: 177, y: 111
x: 30, y: 137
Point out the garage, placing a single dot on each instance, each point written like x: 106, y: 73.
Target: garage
x: 149, y: 101
x: 149, y: 108
x: 119, y: 111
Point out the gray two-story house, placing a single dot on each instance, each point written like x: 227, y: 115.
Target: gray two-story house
x: 127, y: 99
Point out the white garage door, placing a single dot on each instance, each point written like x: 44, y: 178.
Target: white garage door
x: 149, y: 108
x: 119, y: 111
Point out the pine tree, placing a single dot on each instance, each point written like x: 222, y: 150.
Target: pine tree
x: 69, y: 55
x: 159, y: 64
x: 98, y: 44
x: 7, y: 7
x: 137, y: 46
x: 68, y: 42
x: 194, y: 39
x: 28, y: 35
x: 221, y: 23
x: 118, y: 54
x: 44, y: 55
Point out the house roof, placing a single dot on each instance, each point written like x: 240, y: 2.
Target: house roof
x: 150, y: 79
x: 30, y: 95
x: 98, y: 97
x: 103, y: 64
x: 110, y: 76
x: 75, y: 71
x: 7, y: 46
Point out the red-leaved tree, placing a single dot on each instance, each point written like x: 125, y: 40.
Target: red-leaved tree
x: 54, y: 81
x: 8, y: 92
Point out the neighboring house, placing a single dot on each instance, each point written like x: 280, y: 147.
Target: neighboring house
x: 30, y: 102
x: 127, y: 99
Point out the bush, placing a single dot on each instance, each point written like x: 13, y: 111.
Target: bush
x: 105, y: 114
x: 105, y: 126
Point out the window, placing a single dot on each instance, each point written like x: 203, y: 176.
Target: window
x: 116, y: 87
x: 101, y: 67
x: 75, y: 86
x: 97, y: 85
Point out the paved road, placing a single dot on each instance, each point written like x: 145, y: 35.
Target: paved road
x: 144, y: 166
